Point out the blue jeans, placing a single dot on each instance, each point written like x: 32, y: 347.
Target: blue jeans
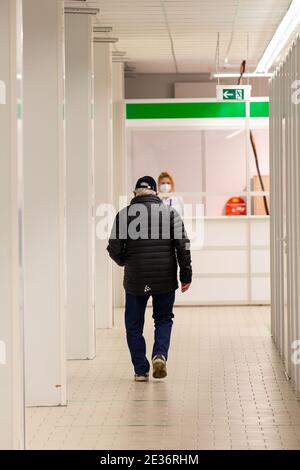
x: 134, y: 322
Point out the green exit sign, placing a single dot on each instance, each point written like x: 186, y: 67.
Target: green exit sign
x: 233, y: 92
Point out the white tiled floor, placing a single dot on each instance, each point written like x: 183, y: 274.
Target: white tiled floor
x: 226, y: 390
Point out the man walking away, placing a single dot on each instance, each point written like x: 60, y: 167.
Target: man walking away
x: 149, y: 239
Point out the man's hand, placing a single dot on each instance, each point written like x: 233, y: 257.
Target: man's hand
x: 184, y: 287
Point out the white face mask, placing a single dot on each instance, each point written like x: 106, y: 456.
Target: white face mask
x: 165, y: 188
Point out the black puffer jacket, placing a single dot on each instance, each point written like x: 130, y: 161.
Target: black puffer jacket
x: 149, y: 239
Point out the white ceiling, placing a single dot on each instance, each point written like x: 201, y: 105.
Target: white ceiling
x: 147, y: 28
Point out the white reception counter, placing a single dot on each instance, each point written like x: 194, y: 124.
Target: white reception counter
x: 232, y: 266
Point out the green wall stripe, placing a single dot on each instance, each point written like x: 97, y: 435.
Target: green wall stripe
x: 195, y: 110
x: 259, y: 109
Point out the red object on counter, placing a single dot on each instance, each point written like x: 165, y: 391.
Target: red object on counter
x: 236, y: 206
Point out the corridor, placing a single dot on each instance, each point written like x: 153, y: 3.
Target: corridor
x: 226, y: 389
x: 165, y: 156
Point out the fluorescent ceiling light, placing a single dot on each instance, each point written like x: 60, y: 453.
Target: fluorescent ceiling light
x: 281, y: 37
x: 246, y: 75
x: 82, y: 10
x: 106, y: 39
x: 121, y: 59
x: 102, y: 29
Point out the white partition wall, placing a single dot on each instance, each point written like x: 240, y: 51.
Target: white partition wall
x: 44, y: 197
x: 11, y: 241
x: 80, y: 187
x: 285, y: 210
x: 103, y: 179
x: 119, y: 164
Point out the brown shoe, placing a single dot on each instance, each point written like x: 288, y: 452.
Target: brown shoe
x: 141, y: 378
x: 159, y: 364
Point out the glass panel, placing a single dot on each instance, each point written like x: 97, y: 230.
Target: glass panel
x: 178, y: 152
x: 224, y: 205
x: 225, y: 160
x: 209, y: 161
x: 261, y: 138
x: 260, y: 205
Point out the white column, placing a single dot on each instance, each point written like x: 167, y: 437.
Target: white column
x: 119, y: 163
x: 103, y: 178
x: 11, y: 236
x: 44, y: 184
x: 80, y: 187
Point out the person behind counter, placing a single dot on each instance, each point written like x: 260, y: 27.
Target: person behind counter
x: 167, y: 189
